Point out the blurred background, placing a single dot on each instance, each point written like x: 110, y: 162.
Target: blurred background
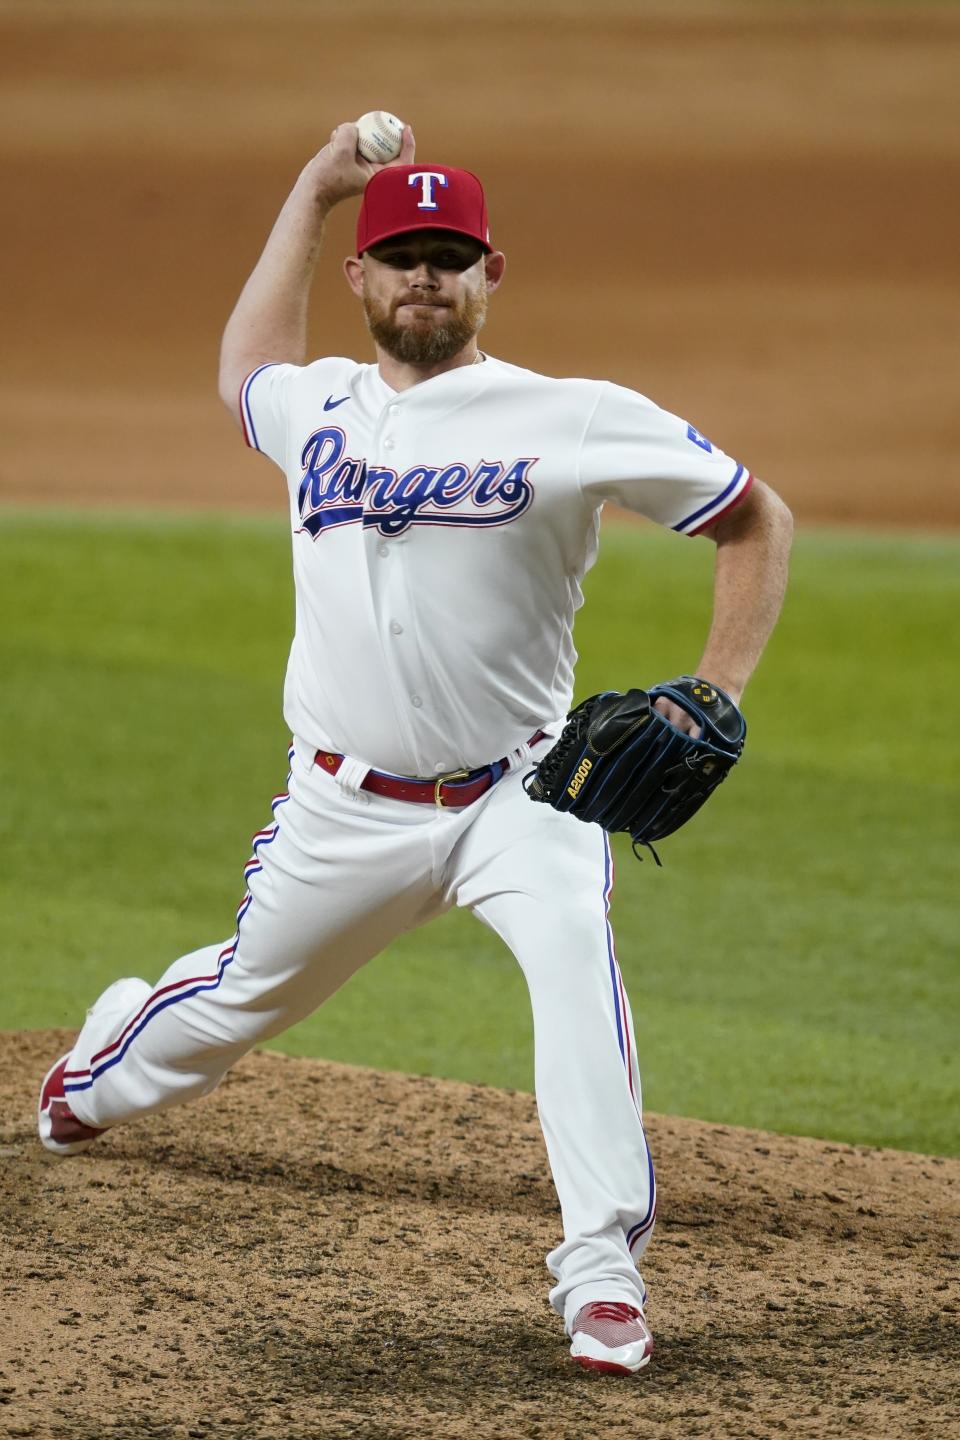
x: 748, y: 211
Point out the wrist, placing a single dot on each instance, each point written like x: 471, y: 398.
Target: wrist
x: 326, y: 187
x: 316, y: 190
x: 734, y: 687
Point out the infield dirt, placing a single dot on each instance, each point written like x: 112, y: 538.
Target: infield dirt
x: 746, y: 211
x: 319, y: 1250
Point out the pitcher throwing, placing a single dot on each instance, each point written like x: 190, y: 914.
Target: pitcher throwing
x: 444, y: 508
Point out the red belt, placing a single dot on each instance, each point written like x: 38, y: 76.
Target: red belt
x: 451, y: 791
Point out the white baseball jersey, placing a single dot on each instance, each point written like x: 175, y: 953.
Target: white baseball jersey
x: 440, y: 537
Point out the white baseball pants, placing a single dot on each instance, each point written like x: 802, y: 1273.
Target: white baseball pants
x: 332, y: 880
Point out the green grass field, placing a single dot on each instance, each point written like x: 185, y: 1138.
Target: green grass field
x: 793, y: 966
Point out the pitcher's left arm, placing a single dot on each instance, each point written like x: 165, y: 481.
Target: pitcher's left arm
x: 753, y: 546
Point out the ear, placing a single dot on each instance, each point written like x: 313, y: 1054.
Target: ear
x: 353, y: 269
x: 494, y: 265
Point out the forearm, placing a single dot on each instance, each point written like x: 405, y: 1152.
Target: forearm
x: 269, y: 321
x: 750, y: 579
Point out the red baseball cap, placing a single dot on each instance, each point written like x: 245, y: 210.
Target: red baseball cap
x: 400, y: 198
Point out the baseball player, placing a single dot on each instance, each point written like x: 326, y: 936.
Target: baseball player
x: 444, y: 507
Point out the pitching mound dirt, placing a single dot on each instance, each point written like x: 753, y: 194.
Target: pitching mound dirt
x: 319, y: 1250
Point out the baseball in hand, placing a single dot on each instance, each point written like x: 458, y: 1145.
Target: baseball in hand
x: 379, y: 135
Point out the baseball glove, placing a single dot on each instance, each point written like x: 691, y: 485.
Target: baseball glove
x: 621, y: 763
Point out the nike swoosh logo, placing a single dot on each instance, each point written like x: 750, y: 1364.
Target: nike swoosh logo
x: 331, y: 404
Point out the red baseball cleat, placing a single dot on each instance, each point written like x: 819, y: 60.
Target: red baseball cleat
x: 611, y: 1336
x: 60, y: 1130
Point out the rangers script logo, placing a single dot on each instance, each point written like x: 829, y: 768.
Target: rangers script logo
x: 339, y: 490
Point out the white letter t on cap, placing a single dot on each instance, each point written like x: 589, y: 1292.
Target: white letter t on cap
x: 427, y: 180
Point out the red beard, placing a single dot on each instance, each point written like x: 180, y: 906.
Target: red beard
x: 423, y: 341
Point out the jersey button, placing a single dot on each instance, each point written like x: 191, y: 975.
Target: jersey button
x: 415, y: 701
x: 395, y: 627
x: 382, y: 551
x: 388, y: 445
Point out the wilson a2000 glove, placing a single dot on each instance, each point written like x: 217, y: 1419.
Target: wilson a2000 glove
x: 621, y: 763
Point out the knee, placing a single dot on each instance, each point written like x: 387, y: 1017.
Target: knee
x: 574, y: 945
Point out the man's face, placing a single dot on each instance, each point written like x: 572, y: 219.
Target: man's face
x: 425, y: 294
